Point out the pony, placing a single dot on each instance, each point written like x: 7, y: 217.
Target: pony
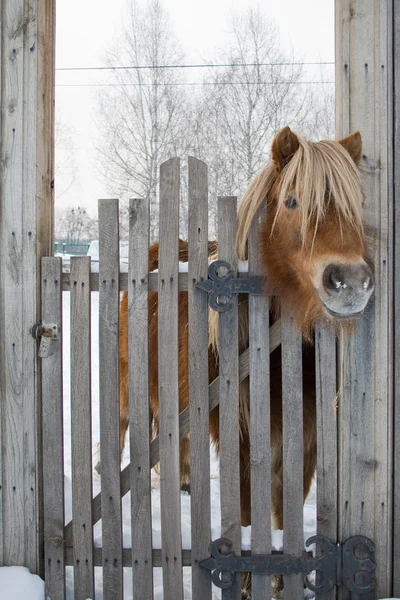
x: 313, y: 247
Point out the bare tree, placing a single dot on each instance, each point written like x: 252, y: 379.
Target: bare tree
x: 247, y: 102
x: 74, y: 225
x: 65, y: 163
x: 143, y: 117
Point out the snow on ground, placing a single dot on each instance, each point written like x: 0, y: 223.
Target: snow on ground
x: 17, y: 583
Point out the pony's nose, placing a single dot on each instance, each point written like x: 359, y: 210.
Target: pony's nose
x: 356, y: 278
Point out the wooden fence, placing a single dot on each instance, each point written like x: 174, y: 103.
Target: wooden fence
x: 72, y: 544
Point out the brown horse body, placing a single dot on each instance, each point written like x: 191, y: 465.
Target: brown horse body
x: 313, y: 249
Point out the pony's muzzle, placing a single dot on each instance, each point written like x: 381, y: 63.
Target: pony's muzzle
x: 347, y: 288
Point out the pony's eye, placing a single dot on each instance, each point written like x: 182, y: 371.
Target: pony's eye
x: 291, y: 202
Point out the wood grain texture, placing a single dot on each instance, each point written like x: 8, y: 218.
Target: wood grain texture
x: 327, y: 455
x: 139, y: 422
x: 25, y: 198
x: 109, y: 399
x: 168, y: 377
x: 213, y: 399
x: 292, y: 438
x: 260, y: 421
x: 198, y: 377
x: 396, y: 308
x: 229, y: 457
x: 365, y: 437
x: 81, y: 434
x: 53, y: 459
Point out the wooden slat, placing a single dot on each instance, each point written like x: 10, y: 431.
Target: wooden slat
x: 365, y: 435
x: 168, y: 374
x: 123, y: 281
x: 260, y: 426
x: 140, y: 479
x: 396, y: 308
x: 81, y: 435
x: 127, y: 557
x: 327, y: 456
x: 292, y: 425
x: 229, y: 458
x: 53, y: 460
x: 26, y: 136
x: 198, y: 377
x: 213, y: 399
x: 109, y: 399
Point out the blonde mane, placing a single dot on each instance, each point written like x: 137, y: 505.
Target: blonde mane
x: 318, y: 173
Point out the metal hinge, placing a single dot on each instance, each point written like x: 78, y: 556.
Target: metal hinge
x: 334, y: 563
x: 46, y: 333
x: 222, y: 287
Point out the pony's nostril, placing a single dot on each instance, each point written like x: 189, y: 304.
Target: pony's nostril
x: 333, y: 279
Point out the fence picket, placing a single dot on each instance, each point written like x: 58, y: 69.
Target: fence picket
x: 198, y: 378
x: 229, y: 460
x: 168, y: 373
x: 327, y: 456
x: 142, y: 564
x: 292, y: 424
x: 260, y: 421
x: 52, y: 423
x: 109, y: 399
x: 81, y: 435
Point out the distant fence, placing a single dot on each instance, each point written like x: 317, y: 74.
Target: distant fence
x: 71, y: 248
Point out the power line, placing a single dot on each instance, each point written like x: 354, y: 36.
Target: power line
x: 193, y: 66
x: 80, y: 85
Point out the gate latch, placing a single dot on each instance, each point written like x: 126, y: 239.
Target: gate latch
x: 222, y: 287
x: 354, y: 560
x: 46, y: 333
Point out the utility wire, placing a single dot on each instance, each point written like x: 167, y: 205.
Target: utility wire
x: 193, y: 66
x: 190, y: 83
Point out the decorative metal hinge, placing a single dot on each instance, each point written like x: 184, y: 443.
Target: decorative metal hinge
x: 46, y: 333
x: 222, y: 287
x: 354, y: 557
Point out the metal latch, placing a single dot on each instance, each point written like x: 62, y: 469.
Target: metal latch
x: 355, y: 557
x: 222, y: 287
x: 46, y: 333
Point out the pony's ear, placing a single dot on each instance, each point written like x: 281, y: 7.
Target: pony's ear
x: 353, y: 144
x: 284, y: 146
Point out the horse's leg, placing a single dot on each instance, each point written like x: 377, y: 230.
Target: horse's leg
x: 123, y: 408
x: 185, y: 464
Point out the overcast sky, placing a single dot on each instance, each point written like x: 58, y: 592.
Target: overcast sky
x: 85, y: 28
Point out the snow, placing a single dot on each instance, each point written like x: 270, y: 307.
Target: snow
x: 17, y: 583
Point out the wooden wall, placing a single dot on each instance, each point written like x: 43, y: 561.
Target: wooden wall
x: 363, y: 86
x: 26, y: 181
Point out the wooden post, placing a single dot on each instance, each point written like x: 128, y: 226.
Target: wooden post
x: 363, y: 76
x: 26, y: 198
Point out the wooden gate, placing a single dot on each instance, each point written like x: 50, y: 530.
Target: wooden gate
x: 72, y: 544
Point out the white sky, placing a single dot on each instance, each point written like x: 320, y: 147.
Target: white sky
x: 86, y: 27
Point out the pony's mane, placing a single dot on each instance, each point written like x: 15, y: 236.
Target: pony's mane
x: 318, y: 173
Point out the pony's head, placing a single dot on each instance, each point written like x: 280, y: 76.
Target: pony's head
x: 312, y: 242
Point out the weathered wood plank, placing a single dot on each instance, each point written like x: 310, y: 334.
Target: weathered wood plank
x: 396, y: 307
x: 292, y: 438
x: 213, y: 399
x: 198, y: 377
x: 229, y: 458
x: 81, y: 435
x: 260, y: 422
x: 168, y: 375
x: 26, y: 92
x: 53, y: 459
x: 365, y: 482
x: 140, y: 479
x: 327, y: 455
x: 123, y: 281
x: 109, y: 399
